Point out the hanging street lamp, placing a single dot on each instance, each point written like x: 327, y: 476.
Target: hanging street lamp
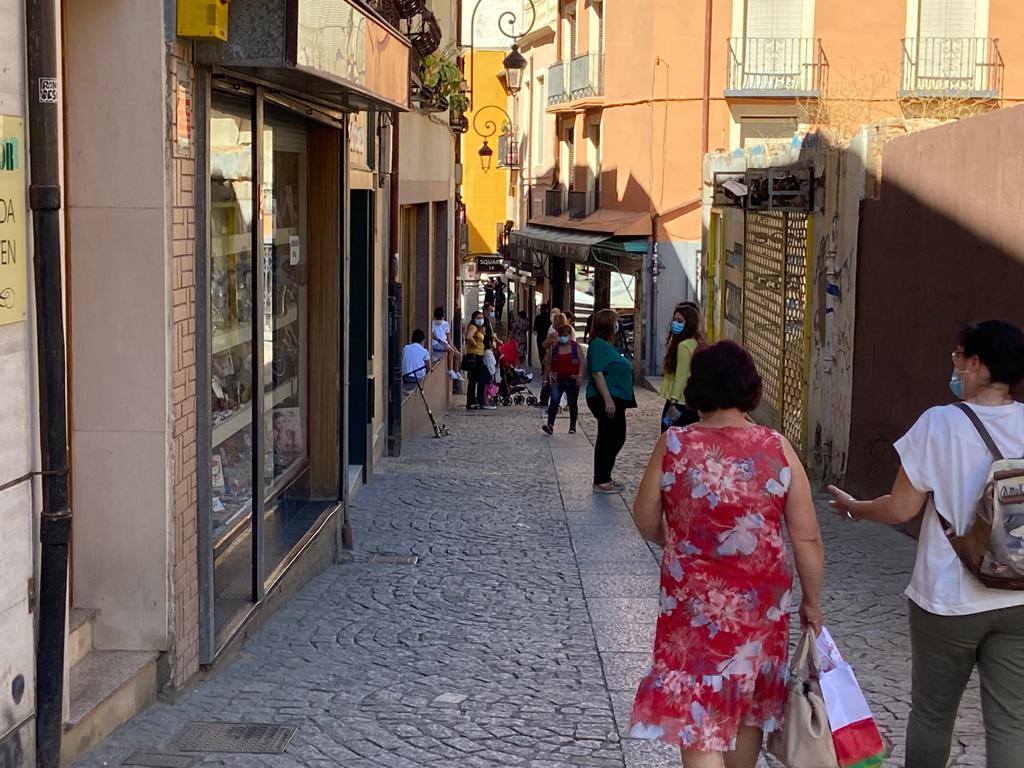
x: 486, y: 155
x: 514, y: 65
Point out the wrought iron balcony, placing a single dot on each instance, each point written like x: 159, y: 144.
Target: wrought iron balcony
x: 553, y: 202
x: 586, y: 77
x: 558, y: 83
x: 776, y: 67
x: 581, y: 204
x: 951, y: 67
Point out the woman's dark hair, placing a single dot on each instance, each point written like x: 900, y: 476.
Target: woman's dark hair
x: 723, y: 376
x: 1000, y: 346
x: 604, y: 325
x: 523, y: 315
x: 564, y: 330
x: 691, y: 330
x: 439, y: 313
x: 418, y: 336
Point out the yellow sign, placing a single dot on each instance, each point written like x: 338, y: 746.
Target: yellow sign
x: 13, y: 222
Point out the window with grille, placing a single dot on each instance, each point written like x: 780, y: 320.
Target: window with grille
x: 947, y: 18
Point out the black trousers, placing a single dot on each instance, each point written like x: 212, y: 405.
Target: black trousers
x: 476, y: 390
x: 611, y: 436
x: 687, y: 416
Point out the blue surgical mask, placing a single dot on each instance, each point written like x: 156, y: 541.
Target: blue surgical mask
x: 492, y: 315
x: 563, y: 339
x: 479, y: 322
x: 956, y: 384
x: 677, y: 327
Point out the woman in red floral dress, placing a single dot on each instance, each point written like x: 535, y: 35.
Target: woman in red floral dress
x: 715, y: 495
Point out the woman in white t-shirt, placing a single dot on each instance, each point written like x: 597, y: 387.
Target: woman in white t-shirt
x: 956, y: 623
x: 441, y: 344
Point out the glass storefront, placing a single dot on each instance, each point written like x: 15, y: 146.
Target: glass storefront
x: 261, y: 501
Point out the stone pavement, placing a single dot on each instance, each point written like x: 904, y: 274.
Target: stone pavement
x: 519, y: 636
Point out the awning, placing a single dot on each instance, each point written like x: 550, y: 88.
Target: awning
x: 606, y: 220
x: 560, y: 243
x: 597, y: 249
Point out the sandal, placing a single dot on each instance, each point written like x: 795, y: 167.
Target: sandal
x: 607, y: 488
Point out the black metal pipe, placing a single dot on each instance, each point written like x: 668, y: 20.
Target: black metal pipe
x: 394, y: 305
x: 55, y: 523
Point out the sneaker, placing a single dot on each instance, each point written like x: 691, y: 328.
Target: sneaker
x: 607, y: 488
x: 547, y: 429
x: 572, y: 430
x: 488, y: 407
x: 473, y: 407
x: 454, y: 376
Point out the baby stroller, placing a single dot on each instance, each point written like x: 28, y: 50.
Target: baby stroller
x: 513, y: 389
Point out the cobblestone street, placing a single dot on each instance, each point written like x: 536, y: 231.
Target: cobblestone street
x: 519, y: 636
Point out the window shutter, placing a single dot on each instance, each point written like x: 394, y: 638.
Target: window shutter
x: 570, y: 140
x: 947, y: 18
x: 774, y: 18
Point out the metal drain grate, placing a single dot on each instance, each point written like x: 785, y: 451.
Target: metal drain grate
x: 160, y: 760
x: 394, y: 559
x: 248, y: 738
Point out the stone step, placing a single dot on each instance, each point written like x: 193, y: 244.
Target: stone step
x: 106, y: 689
x: 80, y: 629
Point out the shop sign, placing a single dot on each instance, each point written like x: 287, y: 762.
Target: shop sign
x: 358, y: 141
x: 490, y: 264
x: 13, y: 221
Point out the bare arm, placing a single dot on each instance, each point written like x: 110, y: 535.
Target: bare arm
x: 647, y: 509
x: 805, y: 537
x: 901, y: 504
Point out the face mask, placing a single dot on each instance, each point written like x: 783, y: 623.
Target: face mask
x: 563, y: 339
x: 677, y: 327
x: 492, y: 315
x: 956, y: 384
x: 479, y: 322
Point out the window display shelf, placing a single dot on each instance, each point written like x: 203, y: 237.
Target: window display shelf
x: 226, y: 340
x: 238, y: 421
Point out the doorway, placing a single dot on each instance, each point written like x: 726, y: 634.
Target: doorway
x: 362, y: 334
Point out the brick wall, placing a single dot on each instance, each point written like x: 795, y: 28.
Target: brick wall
x: 185, y: 617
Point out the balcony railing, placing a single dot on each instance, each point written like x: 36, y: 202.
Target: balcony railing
x: 581, y: 204
x: 586, y: 77
x: 553, y: 202
x: 951, y: 67
x: 558, y: 83
x: 776, y: 66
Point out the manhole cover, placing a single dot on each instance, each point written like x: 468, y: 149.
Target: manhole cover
x: 161, y: 760
x: 395, y: 559
x: 250, y: 738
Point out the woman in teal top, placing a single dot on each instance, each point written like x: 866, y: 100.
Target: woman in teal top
x: 684, y: 338
x: 609, y: 394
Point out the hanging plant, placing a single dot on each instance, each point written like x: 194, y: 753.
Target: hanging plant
x: 440, y: 72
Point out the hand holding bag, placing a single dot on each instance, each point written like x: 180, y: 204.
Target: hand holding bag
x: 805, y: 739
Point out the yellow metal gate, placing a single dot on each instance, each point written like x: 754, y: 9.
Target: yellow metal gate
x: 776, y: 315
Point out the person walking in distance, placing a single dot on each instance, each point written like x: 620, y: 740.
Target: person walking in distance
x: 566, y: 372
x: 499, y: 299
x: 521, y: 330
x: 957, y: 623
x: 473, y: 362
x: 609, y: 394
x: 541, y: 325
x: 684, y: 337
x: 716, y: 496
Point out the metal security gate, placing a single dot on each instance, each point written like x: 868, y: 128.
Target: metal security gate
x: 776, y: 315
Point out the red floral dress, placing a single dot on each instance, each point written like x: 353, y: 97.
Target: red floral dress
x: 720, y: 653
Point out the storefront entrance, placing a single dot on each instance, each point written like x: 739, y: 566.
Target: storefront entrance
x: 274, y: 281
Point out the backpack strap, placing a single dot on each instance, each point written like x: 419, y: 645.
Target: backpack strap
x: 985, y: 436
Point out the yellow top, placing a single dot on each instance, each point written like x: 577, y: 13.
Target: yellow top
x: 474, y: 340
x: 673, y: 383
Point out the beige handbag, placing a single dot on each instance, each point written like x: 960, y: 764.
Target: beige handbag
x: 805, y: 739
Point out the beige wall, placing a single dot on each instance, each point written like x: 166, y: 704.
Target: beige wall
x: 117, y: 219
x: 17, y: 439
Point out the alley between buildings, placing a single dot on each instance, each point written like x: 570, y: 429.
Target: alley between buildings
x: 518, y: 636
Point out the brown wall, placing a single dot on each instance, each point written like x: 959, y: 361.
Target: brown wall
x: 943, y: 246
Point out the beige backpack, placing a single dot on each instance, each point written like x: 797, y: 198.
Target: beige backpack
x: 992, y: 548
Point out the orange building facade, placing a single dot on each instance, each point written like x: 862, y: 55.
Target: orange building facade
x: 622, y: 100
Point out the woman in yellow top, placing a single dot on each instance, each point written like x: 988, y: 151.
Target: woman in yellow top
x: 684, y: 338
x: 473, y: 364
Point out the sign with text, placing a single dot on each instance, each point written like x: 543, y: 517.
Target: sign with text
x: 13, y: 222
x: 490, y: 264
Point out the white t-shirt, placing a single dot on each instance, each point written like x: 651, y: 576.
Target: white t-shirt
x: 415, y: 361
x: 943, y: 455
x: 441, y: 333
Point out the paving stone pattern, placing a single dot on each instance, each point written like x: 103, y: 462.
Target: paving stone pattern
x: 520, y: 635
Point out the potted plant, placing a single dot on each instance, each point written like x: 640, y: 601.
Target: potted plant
x: 440, y: 72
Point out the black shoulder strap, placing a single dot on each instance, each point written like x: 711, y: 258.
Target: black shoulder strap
x: 985, y: 436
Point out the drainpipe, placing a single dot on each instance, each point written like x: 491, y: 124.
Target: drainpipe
x: 394, y: 306
x: 706, y: 101
x: 55, y: 522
